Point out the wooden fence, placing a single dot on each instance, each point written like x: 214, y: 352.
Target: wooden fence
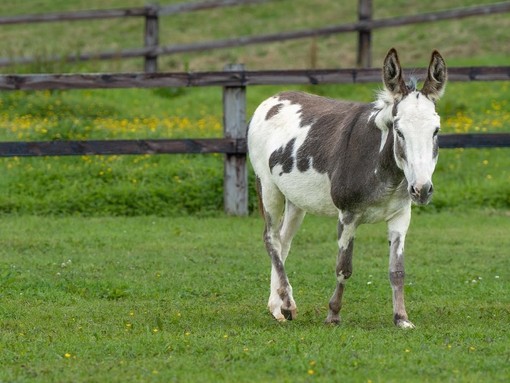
x: 152, y: 14
x: 234, y: 81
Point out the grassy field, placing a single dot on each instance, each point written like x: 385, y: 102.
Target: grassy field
x: 160, y: 299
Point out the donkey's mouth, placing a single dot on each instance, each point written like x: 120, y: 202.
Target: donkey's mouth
x: 421, y: 195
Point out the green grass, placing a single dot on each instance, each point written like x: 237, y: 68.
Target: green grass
x: 160, y: 299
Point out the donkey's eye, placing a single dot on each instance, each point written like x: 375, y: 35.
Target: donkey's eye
x: 399, y: 133
x: 436, y: 132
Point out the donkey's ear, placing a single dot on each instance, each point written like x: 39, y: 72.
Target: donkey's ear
x: 435, y: 83
x: 392, y: 75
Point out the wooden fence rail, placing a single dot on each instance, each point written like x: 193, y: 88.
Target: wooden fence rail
x: 232, y: 78
x: 229, y: 146
x: 108, y: 147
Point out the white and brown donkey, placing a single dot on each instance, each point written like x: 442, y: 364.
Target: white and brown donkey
x: 364, y: 163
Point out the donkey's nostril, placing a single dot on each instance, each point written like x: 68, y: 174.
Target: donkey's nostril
x: 423, y: 190
x: 421, y: 194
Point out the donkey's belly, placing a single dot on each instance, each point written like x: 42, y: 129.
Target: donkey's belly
x: 309, y: 190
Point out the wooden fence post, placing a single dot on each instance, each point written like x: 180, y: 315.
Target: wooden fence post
x: 364, y: 35
x: 235, y: 178
x: 151, y: 37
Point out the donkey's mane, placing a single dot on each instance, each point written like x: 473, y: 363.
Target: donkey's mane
x: 412, y: 84
x: 385, y: 102
x: 383, y: 109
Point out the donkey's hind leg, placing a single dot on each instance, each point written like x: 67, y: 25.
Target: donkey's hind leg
x: 292, y: 219
x: 280, y: 298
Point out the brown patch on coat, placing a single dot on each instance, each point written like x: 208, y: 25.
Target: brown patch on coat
x: 274, y: 111
x: 284, y: 157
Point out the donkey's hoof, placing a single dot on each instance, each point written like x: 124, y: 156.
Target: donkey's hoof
x: 283, y: 315
x: 405, y: 324
x: 332, y: 320
x: 289, y: 314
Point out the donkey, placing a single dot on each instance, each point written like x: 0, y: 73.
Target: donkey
x: 363, y: 163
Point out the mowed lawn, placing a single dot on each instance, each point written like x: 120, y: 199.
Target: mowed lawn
x: 183, y: 300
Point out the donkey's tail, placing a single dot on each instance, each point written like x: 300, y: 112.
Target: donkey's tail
x: 259, y: 196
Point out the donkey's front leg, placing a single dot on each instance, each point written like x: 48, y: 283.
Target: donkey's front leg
x: 346, y: 228
x: 397, y: 229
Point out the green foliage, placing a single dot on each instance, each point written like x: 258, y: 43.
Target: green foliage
x: 467, y: 41
x: 473, y: 177
x: 192, y: 184
x: 184, y: 299
x: 112, y: 185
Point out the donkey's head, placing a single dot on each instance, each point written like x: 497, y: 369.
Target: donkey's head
x: 415, y: 123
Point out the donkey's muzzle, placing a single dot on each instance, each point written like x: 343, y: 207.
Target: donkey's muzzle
x: 421, y: 194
